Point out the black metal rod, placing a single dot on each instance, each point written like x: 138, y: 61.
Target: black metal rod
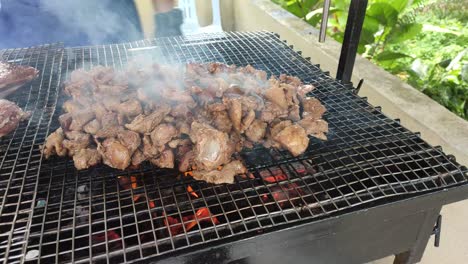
x: 356, y: 14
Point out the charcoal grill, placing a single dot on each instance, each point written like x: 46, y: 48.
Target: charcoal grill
x: 373, y: 189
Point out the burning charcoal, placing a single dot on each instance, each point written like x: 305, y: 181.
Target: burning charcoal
x: 127, y: 183
x: 275, y: 178
x: 111, y: 236
x: 190, y: 190
x: 174, y: 225
x: 284, y: 193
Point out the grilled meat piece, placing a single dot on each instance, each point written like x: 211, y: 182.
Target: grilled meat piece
x: 225, y: 175
x: 109, y: 119
x: 315, y: 127
x: 114, y: 154
x: 312, y: 108
x: 81, y: 118
x: 72, y: 106
x: 165, y: 159
x: 130, y: 108
x: 185, y: 161
x: 138, y: 158
x: 65, y: 121
x: 54, y: 144
x: 272, y: 111
x: 234, y: 106
x: 277, y: 96
x: 10, y: 116
x: 75, y: 141
x: 162, y: 134
x: 256, y: 132
x: 93, y: 127
x: 13, y: 76
x: 222, y: 121
x: 109, y: 132
x: 149, y: 150
x: 212, y: 147
x: 86, y: 158
x: 293, y: 138
x: 145, y: 124
x: 129, y: 139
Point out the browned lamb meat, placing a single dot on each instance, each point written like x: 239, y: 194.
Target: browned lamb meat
x: 54, y: 144
x: 114, y: 154
x: 256, y: 132
x: 212, y: 147
x: 293, y: 138
x: 86, y: 158
x: 195, y: 119
x: 162, y: 134
x: 129, y: 139
x: 75, y: 141
x: 165, y: 159
x: 145, y: 124
x: 225, y: 175
x: 13, y: 76
x: 312, y: 108
x: 93, y: 127
x: 10, y: 116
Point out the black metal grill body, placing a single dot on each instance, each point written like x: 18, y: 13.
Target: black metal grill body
x: 372, y: 180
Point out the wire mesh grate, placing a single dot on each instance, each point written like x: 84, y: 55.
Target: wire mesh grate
x: 52, y: 213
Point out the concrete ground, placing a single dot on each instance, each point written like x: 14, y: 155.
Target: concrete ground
x: 453, y: 247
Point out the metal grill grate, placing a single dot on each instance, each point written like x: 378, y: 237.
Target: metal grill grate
x: 52, y: 213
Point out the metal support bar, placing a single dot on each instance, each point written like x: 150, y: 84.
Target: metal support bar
x: 356, y: 14
x: 437, y: 230
x: 323, y: 25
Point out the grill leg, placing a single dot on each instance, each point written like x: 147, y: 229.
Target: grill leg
x: 414, y: 254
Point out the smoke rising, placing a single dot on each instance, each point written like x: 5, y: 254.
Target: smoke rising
x: 103, y: 21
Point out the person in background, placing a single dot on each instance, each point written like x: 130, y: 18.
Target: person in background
x: 25, y: 23
x: 168, y: 19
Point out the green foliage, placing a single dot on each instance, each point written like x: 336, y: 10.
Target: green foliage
x: 421, y: 41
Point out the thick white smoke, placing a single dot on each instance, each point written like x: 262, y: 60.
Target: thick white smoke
x: 97, y: 19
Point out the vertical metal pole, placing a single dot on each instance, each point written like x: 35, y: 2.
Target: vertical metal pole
x: 323, y: 25
x: 356, y: 14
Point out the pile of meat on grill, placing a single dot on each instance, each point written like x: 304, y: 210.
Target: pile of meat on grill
x: 195, y: 117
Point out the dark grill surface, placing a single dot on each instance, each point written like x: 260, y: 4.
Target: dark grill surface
x: 52, y: 213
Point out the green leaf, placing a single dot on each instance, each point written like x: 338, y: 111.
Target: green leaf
x: 371, y: 24
x: 390, y: 55
x: 367, y: 37
x: 404, y: 32
x: 399, y: 5
x: 386, y: 14
x: 309, y: 4
x: 434, y: 28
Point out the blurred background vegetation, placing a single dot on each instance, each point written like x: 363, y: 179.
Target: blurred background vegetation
x: 424, y: 42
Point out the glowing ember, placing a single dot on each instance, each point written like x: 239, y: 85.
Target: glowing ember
x: 284, y: 193
x: 101, y: 237
x: 192, y: 192
x: 190, y: 221
x: 127, y: 182
x: 275, y: 178
x: 134, y: 182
